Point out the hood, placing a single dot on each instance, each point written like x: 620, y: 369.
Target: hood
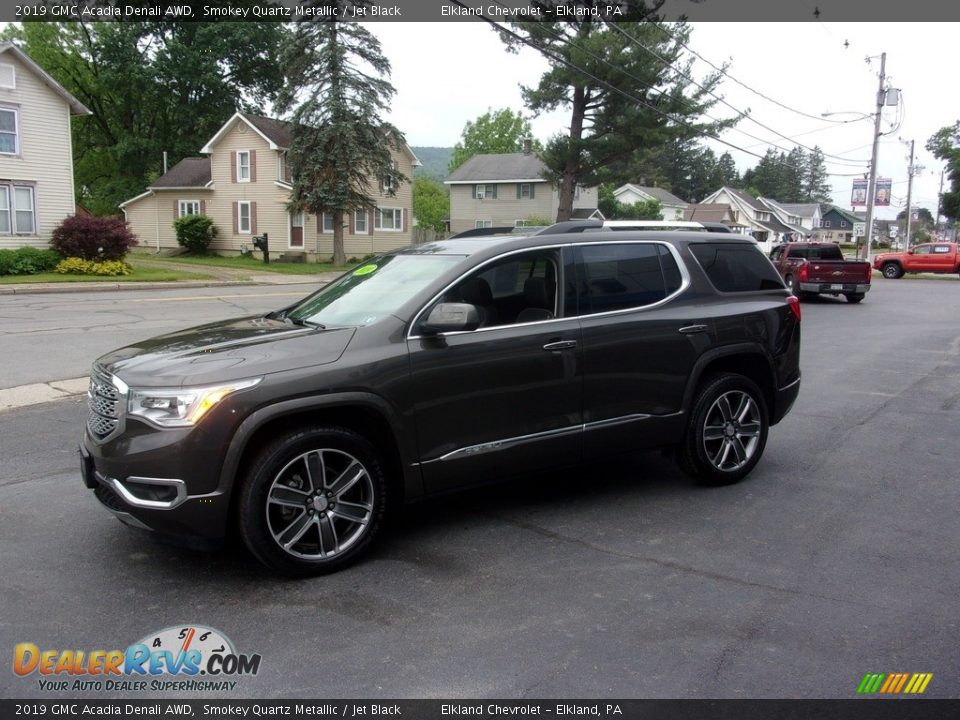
x: 224, y: 351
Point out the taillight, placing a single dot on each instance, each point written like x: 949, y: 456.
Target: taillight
x: 869, y: 274
x: 803, y: 273
x: 793, y: 302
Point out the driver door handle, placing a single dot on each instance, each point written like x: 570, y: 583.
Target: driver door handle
x: 560, y: 345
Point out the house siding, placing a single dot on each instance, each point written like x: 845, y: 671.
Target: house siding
x: 45, y: 157
x: 148, y: 214
x: 506, y: 209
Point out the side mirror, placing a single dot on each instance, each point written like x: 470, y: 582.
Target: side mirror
x: 451, y: 317
x: 910, y: 251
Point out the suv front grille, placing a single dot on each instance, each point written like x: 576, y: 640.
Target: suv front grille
x: 105, y: 405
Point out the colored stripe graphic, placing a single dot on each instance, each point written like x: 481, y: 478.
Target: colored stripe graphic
x: 894, y: 683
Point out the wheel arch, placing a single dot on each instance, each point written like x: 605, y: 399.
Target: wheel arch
x: 364, y: 413
x: 743, y: 359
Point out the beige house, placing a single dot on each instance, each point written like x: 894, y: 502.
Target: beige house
x: 671, y: 207
x: 36, y: 151
x: 505, y: 190
x: 243, y: 185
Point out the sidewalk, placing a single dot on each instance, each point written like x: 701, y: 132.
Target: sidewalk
x: 221, y: 276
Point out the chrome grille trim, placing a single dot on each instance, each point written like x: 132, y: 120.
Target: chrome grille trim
x: 106, y: 405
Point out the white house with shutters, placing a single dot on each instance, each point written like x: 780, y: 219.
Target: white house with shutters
x: 36, y: 150
x: 243, y: 184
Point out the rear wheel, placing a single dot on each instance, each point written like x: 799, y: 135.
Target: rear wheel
x: 313, y: 501
x: 892, y: 271
x: 727, y: 430
x: 791, y: 284
x: 854, y: 297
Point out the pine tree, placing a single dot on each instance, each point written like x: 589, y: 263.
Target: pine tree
x: 340, y: 148
x: 816, y: 188
x: 656, y: 104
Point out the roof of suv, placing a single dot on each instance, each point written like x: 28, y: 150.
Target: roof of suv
x: 499, y: 243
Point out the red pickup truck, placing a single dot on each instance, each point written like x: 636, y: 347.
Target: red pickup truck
x: 941, y: 257
x: 810, y: 268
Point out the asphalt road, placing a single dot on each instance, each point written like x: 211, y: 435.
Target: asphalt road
x: 836, y: 557
x: 47, y: 337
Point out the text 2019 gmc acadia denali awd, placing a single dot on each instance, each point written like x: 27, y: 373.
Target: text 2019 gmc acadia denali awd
x: 441, y: 366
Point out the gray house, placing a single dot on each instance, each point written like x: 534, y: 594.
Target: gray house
x: 505, y: 189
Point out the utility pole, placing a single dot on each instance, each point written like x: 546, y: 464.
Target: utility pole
x: 910, y: 171
x: 940, y: 201
x: 872, y: 182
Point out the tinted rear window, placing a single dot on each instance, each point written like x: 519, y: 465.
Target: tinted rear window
x: 616, y: 277
x: 736, y: 268
x: 826, y: 252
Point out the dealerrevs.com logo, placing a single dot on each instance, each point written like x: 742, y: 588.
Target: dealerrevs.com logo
x: 187, y: 657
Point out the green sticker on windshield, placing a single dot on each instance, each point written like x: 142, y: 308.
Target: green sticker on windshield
x: 365, y: 269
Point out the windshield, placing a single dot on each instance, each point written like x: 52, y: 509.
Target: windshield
x: 373, y: 290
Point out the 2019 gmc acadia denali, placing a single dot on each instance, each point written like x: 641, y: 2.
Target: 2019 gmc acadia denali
x: 441, y: 366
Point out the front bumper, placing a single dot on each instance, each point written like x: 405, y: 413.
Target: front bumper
x: 835, y: 288
x: 163, y: 504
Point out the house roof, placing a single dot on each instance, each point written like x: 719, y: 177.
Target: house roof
x: 744, y: 197
x: 586, y: 214
x: 76, y: 107
x: 665, y: 198
x: 190, y: 172
x: 709, y: 212
x: 804, y: 210
x: 275, y: 132
x: 849, y: 216
x: 502, y: 167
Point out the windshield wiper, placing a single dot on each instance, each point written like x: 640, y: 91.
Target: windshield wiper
x: 305, y: 323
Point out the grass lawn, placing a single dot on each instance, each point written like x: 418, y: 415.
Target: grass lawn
x: 139, y: 274
x: 253, y: 264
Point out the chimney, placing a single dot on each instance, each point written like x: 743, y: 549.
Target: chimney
x: 527, y: 144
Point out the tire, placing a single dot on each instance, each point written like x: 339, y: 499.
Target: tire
x: 718, y: 429
x: 854, y: 297
x: 791, y: 285
x: 289, y: 524
x: 892, y: 271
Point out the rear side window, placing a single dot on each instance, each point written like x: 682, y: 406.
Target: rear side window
x: 736, y: 268
x: 617, y: 277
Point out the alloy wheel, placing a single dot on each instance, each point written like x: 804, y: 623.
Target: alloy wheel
x: 731, y: 430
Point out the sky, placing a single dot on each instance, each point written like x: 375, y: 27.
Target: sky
x: 449, y: 73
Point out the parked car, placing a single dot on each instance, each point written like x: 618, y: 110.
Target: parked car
x: 441, y: 366
x: 941, y: 257
x: 812, y: 268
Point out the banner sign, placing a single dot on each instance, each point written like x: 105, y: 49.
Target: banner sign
x: 859, y: 195
x: 884, y: 186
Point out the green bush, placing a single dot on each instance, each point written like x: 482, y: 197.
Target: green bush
x: 27, y: 261
x: 195, y: 233
x: 79, y: 266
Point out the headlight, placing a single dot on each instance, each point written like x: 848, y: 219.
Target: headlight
x: 180, y: 407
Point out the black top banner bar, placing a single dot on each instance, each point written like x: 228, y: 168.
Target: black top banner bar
x: 731, y: 11
x: 859, y: 709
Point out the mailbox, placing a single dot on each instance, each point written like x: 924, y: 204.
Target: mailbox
x: 260, y: 242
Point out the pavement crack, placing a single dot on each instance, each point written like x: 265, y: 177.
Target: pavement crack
x: 687, y: 569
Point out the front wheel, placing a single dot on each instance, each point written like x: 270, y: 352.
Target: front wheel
x: 854, y: 297
x: 313, y: 501
x: 727, y: 430
x: 892, y: 271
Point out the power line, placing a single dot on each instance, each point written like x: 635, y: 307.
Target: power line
x: 563, y: 61
x: 662, y: 59
x: 741, y: 83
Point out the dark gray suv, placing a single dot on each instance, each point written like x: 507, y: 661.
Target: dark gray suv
x: 438, y: 367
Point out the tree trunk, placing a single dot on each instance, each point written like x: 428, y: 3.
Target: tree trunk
x: 568, y: 180
x: 339, y: 257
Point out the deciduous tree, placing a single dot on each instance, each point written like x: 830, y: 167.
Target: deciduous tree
x: 496, y: 131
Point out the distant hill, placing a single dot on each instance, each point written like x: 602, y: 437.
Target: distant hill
x: 435, y: 161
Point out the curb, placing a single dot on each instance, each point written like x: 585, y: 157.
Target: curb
x: 33, y: 289
x: 36, y: 393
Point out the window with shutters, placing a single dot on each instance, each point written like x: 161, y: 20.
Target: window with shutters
x: 243, y: 166
x: 389, y: 219
x: 360, y: 222
x: 243, y: 216
x: 189, y: 207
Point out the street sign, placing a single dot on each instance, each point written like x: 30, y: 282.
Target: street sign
x: 859, y: 229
